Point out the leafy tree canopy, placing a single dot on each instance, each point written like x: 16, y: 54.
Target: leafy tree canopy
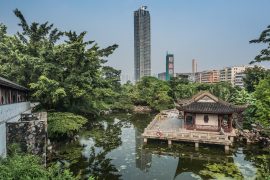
x: 265, y: 53
x: 63, y: 70
x: 262, y: 95
x: 253, y: 77
x: 64, y: 124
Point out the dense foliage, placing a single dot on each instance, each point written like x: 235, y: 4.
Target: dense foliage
x: 153, y: 92
x: 263, y: 165
x: 64, y: 124
x: 21, y: 167
x: 63, y: 70
x: 253, y: 76
x: 262, y: 95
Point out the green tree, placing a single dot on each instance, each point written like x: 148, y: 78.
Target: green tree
x: 242, y: 97
x: 262, y: 95
x: 174, y: 82
x: 265, y: 53
x: 154, y: 93
x: 47, y: 91
x: 253, y: 77
x: 64, y: 71
x: 184, y: 91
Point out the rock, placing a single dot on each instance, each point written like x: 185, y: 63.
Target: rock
x: 142, y: 109
x: 246, y: 131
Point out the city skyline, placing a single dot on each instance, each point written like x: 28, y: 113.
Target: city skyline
x: 216, y: 34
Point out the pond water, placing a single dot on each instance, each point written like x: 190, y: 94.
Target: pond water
x: 111, y: 148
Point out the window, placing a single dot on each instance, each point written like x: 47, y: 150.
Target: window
x: 189, y: 120
x: 206, y: 118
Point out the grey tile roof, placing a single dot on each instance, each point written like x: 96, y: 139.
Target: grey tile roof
x: 209, y: 107
x: 7, y: 83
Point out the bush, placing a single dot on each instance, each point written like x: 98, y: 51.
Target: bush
x: 21, y: 167
x: 64, y: 124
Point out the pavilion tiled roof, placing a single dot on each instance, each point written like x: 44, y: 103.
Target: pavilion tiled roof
x: 214, y: 106
x: 208, y: 107
x: 6, y: 83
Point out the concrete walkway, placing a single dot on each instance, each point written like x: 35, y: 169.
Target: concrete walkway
x: 168, y: 124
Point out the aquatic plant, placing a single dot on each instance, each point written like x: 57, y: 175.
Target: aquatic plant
x: 221, y: 171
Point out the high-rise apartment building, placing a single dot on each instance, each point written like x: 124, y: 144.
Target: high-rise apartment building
x: 142, y: 43
x: 239, y: 79
x: 162, y: 76
x: 211, y: 76
x: 228, y: 74
x: 169, y: 66
x: 194, y: 66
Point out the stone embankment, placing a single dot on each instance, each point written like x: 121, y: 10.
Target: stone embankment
x: 253, y: 136
x: 142, y: 109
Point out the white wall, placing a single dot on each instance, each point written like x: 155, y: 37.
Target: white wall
x: 10, y: 113
x: 213, y: 119
x: 3, y: 140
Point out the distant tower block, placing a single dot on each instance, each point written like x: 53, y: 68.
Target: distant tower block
x: 142, y: 43
x: 169, y: 66
x: 194, y: 66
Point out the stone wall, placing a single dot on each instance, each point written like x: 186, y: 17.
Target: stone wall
x: 10, y: 113
x: 30, y: 135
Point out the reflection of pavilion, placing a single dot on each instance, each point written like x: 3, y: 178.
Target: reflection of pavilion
x: 143, y: 158
x: 192, y: 162
x: 188, y: 165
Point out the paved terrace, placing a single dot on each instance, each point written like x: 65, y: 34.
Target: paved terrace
x: 167, y: 126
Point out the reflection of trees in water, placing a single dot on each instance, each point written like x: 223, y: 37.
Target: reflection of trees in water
x: 101, y: 167
x: 107, y: 136
x: 140, y: 121
x: 261, y: 160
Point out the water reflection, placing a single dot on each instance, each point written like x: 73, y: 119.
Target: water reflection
x: 112, y: 148
x: 100, y: 166
x: 144, y: 157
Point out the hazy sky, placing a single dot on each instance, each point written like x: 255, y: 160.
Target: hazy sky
x: 215, y: 32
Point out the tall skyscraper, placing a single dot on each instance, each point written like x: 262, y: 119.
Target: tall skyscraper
x: 194, y: 66
x: 169, y: 66
x: 142, y: 43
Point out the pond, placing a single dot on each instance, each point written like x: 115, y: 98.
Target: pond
x: 112, y: 148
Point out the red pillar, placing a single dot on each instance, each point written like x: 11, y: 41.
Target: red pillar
x: 184, y: 119
x: 230, y: 122
x: 10, y: 99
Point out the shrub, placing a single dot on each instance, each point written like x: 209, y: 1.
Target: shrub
x: 21, y: 167
x: 64, y: 124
